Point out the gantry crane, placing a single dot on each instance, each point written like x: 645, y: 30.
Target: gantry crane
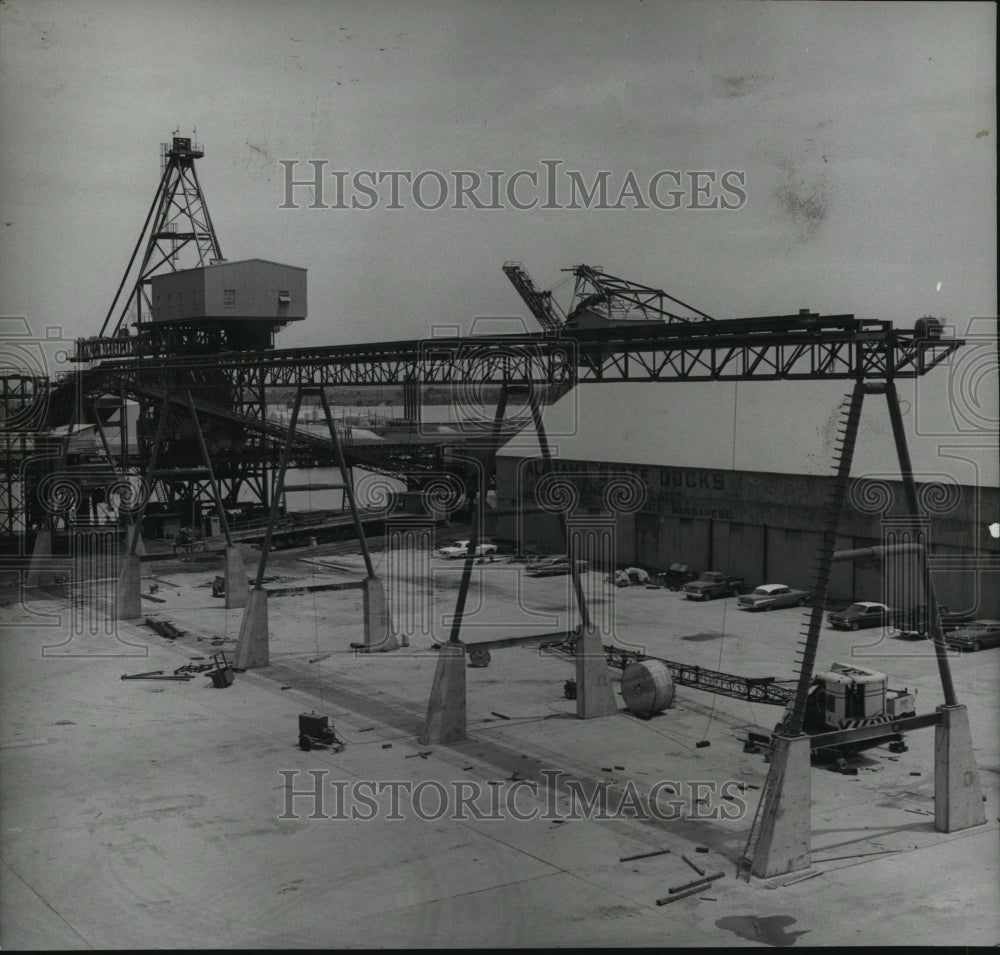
x: 617, y: 331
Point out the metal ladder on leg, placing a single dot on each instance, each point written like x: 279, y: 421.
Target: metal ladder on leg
x: 744, y: 865
x: 793, y: 721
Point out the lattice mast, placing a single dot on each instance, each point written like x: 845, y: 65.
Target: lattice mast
x: 177, y: 222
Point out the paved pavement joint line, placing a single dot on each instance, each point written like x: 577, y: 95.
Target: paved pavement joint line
x: 390, y: 698
x: 44, y: 901
x: 571, y: 873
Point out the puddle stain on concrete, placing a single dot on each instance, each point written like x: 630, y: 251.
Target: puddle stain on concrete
x: 769, y: 929
x: 702, y: 636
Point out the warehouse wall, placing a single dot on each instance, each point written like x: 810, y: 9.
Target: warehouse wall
x: 766, y: 527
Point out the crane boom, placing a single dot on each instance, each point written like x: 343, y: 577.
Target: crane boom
x: 540, y: 303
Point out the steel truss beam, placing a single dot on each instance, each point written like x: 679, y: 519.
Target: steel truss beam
x: 803, y: 347
x: 617, y: 298
x: 231, y: 386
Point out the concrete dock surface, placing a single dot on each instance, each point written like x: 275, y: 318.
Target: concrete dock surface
x: 177, y: 814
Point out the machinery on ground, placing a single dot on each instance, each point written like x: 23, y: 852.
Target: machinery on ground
x: 848, y: 696
x: 316, y: 732
x: 842, y: 697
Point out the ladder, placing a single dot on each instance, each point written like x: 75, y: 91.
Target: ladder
x: 793, y: 721
x: 772, y: 785
x: 835, y: 499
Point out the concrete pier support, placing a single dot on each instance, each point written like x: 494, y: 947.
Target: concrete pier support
x: 252, y: 644
x: 958, y: 798
x: 38, y: 574
x: 594, y: 693
x: 785, y: 838
x: 378, y: 635
x: 445, y: 721
x: 237, y: 588
x: 134, y: 532
x: 128, y: 602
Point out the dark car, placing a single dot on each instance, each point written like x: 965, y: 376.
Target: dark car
x: 548, y: 566
x: 978, y: 635
x: 864, y: 613
x: 913, y: 623
x: 712, y: 583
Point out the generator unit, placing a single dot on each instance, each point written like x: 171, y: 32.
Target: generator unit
x: 315, y: 732
x: 848, y: 696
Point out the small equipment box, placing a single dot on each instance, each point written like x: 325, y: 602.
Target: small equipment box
x: 315, y: 732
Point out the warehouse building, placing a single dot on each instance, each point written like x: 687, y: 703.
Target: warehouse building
x: 633, y: 459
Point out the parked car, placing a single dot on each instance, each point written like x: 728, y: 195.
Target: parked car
x: 913, y: 623
x: 461, y: 549
x: 712, y: 583
x: 549, y: 566
x: 773, y: 596
x: 864, y: 613
x: 978, y: 635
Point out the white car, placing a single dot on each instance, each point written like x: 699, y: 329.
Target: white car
x: 772, y: 596
x: 461, y: 549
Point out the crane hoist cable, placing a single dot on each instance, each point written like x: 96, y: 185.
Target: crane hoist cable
x: 312, y: 588
x: 729, y: 550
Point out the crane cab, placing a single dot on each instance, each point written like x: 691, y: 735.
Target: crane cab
x: 849, y: 695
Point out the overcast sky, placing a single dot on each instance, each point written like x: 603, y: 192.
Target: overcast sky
x: 862, y: 135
